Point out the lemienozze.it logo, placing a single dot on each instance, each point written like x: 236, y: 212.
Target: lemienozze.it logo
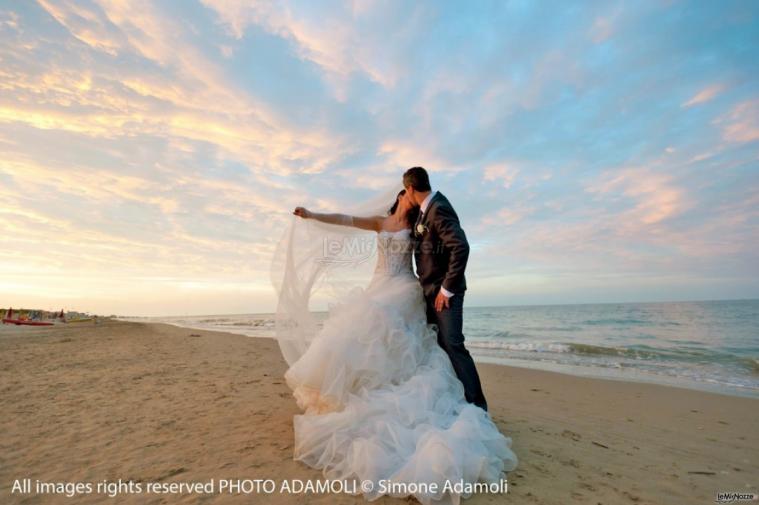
x: 736, y: 497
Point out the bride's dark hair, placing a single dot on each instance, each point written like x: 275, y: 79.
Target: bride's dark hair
x: 411, y: 215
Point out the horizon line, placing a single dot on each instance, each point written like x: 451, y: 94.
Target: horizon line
x: 481, y: 307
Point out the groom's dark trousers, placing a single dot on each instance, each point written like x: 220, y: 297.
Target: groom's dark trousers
x: 441, y: 252
x: 451, y: 338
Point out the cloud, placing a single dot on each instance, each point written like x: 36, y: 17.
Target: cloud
x: 506, y: 216
x: 341, y: 39
x: 654, y: 195
x: 704, y: 95
x: 403, y: 153
x: 88, y: 25
x: 741, y: 124
x: 188, y: 95
x: 170, y: 140
x: 603, y: 26
x: 503, y: 173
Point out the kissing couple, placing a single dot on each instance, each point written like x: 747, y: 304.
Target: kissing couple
x: 388, y: 391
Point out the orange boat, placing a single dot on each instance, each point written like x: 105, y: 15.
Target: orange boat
x: 26, y: 322
x: 8, y: 319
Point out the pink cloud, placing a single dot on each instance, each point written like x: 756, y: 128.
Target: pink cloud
x: 340, y: 41
x: 506, y: 216
x: 741, y: 124
x: 656, y: 196
x: 504, y: 173
x: 704, y: 95
x: 601, y: 30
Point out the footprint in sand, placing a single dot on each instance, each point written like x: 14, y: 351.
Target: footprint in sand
x: 571, y: 462
x: 571, y: 434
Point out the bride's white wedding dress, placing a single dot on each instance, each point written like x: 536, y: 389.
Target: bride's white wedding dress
x: 381, y: 399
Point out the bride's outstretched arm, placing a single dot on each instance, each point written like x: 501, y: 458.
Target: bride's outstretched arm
x: 365, y: 223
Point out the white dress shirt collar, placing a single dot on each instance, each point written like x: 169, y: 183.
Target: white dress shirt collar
x: 423, y: 206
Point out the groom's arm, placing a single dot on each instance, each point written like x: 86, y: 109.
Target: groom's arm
x: 454, y: 240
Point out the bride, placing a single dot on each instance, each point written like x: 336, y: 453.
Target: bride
x: 382, y: 403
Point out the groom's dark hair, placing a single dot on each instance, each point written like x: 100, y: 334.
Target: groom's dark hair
x: 417, y: 178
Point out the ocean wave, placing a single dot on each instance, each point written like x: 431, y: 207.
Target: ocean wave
x: 600, y: 350
x: 518, y: 346
x: 554, y: 328
x: 265, y: 323
x: 636, y: 353
x: 752, y: 364
x: 598, y: 322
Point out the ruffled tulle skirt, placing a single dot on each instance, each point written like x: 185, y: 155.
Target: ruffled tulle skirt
x: 382, y: 402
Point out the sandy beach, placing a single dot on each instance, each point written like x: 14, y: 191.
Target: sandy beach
x: 155, y: 403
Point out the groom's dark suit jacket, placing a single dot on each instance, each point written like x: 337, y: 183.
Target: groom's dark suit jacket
x: 441, y: 250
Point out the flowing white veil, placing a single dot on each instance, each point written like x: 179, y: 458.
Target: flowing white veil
x: 315, y: 260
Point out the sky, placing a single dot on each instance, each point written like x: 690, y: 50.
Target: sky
x: 151, y: 152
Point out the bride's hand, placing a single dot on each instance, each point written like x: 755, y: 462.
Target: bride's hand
x: 302, y: 212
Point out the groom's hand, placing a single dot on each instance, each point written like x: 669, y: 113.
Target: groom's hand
x: 441, y: 301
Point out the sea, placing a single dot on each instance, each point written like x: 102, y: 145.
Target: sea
x: 704, y: 345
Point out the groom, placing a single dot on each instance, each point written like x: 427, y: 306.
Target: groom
x: 441, y: 252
